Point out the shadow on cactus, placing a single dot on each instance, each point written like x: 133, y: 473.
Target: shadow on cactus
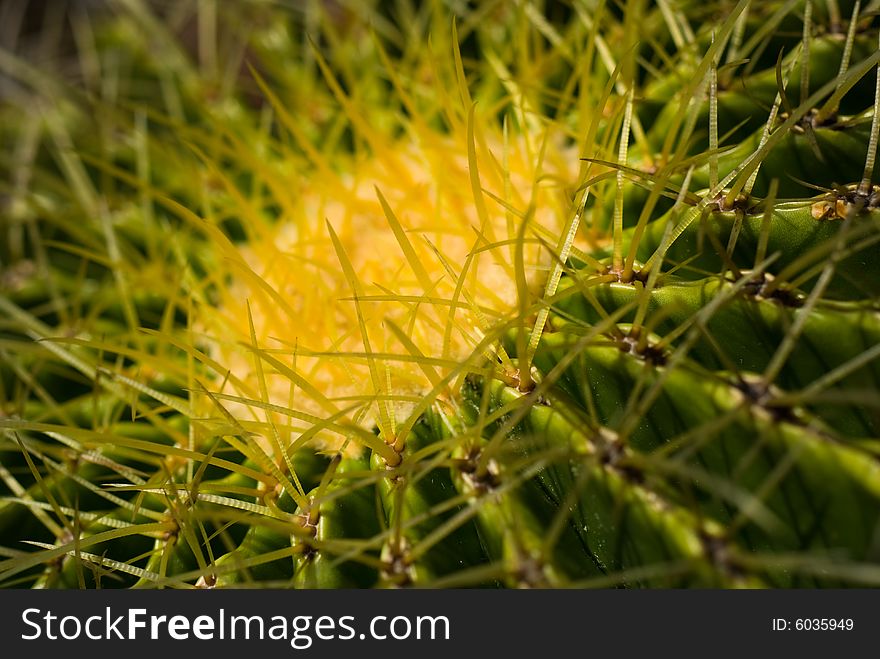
x: 393, y: 295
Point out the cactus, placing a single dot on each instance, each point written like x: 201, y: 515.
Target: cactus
x: 521, y: 294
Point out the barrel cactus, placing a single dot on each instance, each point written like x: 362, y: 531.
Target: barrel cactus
x: 520, y: 294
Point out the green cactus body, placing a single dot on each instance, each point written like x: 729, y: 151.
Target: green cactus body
x: 581, y: 298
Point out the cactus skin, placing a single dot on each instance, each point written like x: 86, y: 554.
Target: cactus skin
x: 702, y: 407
